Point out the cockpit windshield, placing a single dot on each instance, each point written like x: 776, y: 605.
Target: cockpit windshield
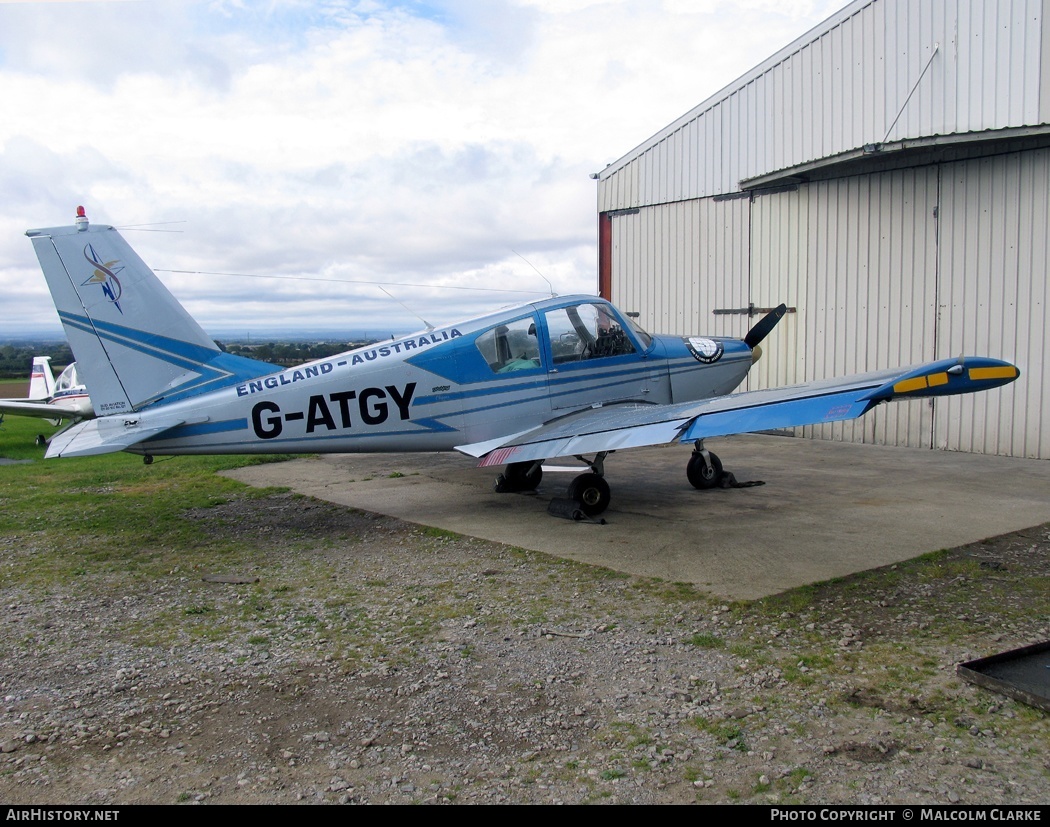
x: 589, y: 330
x: 639, y: 333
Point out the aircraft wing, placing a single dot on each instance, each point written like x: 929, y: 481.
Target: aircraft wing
x: 45, y: 410
x: 615, y: 427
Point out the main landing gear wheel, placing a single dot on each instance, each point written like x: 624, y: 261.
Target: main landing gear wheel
x: 519, y: 476
x: 41, y: 441
x: 701, y: 474
x: 591, y: 492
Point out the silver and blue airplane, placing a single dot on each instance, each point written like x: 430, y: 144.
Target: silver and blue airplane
x: 568, y: 376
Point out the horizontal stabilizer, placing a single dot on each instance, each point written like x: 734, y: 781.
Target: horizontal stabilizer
x: 107, y: 435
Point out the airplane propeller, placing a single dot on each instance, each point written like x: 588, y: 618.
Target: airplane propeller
x: 759, y: 332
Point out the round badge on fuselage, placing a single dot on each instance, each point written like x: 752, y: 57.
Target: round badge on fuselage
x: 704, y: 350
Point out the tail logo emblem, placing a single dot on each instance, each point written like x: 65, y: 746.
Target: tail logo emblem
x: 104, y: 275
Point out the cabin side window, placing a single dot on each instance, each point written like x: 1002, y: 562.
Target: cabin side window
x: 511, y: 346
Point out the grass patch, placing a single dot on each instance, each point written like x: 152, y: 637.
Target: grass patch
x: 111, y: 515
x: 804, y: 670
x: 440, y: 533
x: 727, y: 733
x: 671, y: 591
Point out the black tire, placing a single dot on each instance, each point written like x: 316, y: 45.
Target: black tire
x: 41, y: 441
x: 591, y: 492
x: 702, y: 477
x: 519, y: 476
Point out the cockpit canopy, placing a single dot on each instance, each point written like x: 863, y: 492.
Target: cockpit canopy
x: 68, y: 379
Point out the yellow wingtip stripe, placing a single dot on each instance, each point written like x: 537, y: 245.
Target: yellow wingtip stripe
x: 1008, y: 372
x: 909, y: 385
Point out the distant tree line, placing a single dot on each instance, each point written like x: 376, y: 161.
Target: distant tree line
x: 292, y: 353
x: 16, y: 358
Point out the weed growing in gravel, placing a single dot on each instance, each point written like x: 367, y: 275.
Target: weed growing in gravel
x: 727, y: 733
x: 705, y: 640
x: 805, y: 670
x: 796, y: 777
x: 750, y: 653
x: 440, y: 533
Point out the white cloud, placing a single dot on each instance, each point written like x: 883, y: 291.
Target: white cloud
x: 411, y: 142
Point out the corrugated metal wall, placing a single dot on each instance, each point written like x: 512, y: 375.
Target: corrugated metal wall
x: 995, y: 257
x: 865, y: 77
x: 674, y: 263
x: 887, y: 269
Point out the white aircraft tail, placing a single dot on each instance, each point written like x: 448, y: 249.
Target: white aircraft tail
x: 41, y: 380
x: 135, y: 345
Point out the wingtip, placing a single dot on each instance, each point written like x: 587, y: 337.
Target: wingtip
x: 967, y: 374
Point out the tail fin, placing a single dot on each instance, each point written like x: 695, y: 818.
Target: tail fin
x: 41, y: 380
x: 135, y: 345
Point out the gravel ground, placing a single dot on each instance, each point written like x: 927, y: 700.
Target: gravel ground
x: 360, y: 659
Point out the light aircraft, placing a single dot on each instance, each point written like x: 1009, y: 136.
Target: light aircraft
x: 564, y: 377
x: 54, y: 400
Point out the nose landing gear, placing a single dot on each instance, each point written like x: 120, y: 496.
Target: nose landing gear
x: 704, y: 469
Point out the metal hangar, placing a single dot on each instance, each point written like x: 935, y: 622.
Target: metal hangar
x: 886, y: 175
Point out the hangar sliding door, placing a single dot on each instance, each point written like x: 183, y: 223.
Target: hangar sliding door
x: 995, y: 301
x: 858, y: 258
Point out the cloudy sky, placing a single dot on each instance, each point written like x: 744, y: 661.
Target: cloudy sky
x: 351, y: 165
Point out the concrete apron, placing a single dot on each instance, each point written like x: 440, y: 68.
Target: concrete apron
x: 826, y: 509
